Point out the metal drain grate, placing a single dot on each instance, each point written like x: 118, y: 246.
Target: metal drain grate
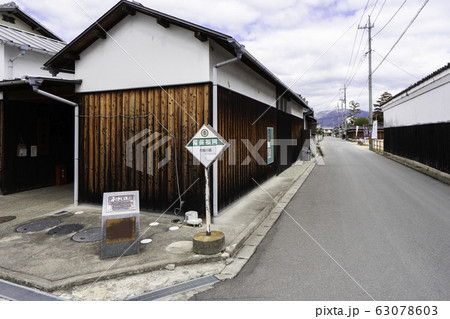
x: 176, y: 289
x: 12, y: 291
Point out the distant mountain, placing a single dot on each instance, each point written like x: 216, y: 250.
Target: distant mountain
x: 332, y: 118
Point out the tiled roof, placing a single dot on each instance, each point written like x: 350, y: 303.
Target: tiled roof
x: 15, y: 37
x: 428, y: 77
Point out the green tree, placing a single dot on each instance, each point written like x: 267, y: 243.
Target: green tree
x: 354, y: 110
x: 378, y: 112
x: 360, y: 121
x: 319, y: 131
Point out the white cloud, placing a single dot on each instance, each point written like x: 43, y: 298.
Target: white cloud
x: 289, y: 37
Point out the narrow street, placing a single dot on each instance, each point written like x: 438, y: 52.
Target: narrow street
x: 362, y: 227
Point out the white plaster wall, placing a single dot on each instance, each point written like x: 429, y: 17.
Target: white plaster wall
x: 426, y: 105
x: 240, y: 78
x: 28, y: 64
x: 143, y: 54
x: 3, y: 67
x: 19, y: 24
x: 296, y: 109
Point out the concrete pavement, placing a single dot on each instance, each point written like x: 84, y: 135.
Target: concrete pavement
x: 74, y: 270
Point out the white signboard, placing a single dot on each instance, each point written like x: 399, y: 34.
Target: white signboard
x: 120, y: 202
x: 207, y: 145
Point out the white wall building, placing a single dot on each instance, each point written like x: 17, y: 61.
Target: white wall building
x: 417, y: 121
x: 25, y: 45
x: 187, y: 75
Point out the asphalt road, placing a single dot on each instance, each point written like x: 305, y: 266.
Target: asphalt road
x: 362, y: 227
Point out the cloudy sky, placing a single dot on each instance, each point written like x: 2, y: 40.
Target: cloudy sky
x: 315, y: 46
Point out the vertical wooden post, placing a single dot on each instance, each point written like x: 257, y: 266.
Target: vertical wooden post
x: 207, y: 204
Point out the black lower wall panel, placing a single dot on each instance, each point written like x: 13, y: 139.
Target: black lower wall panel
x: 428, y: 144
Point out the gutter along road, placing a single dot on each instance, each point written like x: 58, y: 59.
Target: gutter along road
x: 361, y: 227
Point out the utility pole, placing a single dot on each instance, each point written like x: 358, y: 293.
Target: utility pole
x: 344, y: 100
x: 339, y: 118
x: 369, y: 27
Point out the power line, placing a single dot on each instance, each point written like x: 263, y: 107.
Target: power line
x: 354, y: 42
x: 381, y: 9
x: 401, y: 36
x: 401, y: 6
x: 401, y: 69
x: 362, y: 58
x: 374, y: 6
x: 357, y: 69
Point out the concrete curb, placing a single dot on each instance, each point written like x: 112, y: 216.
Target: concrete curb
x: 50, y: 286
x: 249, y: 242
x: 430, y: 171
x: 238, y: 251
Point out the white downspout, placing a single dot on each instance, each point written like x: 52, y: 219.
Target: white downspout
x: 239, y: 51
x: 35, y: 84
x: 22, y: 49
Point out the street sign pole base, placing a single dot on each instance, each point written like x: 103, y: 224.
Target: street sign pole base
x: 208, y: 245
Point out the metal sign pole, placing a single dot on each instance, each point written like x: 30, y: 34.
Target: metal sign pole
x: 207, y: 203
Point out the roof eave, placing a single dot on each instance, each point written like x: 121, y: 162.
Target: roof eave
x: 31, y: 22
x: 113, y: 16
x: 123, y: 8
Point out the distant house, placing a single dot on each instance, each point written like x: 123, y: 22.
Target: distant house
x: 149, y: 82
x: 417, y: 121
x: 36, y: 134
x: 327, y: 131
x: 25, y: 44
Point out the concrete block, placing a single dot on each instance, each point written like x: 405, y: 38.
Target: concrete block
x: 246, y: 252
x: 234, y: 268
x: 208, y: 245
x: 254, y: 240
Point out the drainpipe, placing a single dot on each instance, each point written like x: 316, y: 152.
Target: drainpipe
x: 239, y: 50
x: 22, y: 52
x: 35, y: 83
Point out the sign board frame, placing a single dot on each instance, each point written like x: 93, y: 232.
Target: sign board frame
x: 270, y: 148
x: 207, y: 145
x: 120, y: 224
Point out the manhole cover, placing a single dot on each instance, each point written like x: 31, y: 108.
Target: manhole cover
x: 5, y: 219
x: 88, y: 235
x: 180, y: 247
x: 65, y: 229
x: 38, y: 225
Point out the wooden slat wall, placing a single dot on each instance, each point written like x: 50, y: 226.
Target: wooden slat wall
x: 109, y: 119
x: 237, y: 114
x: 296, y: 134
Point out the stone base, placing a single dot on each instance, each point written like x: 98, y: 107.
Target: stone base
x: 208, y: 245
